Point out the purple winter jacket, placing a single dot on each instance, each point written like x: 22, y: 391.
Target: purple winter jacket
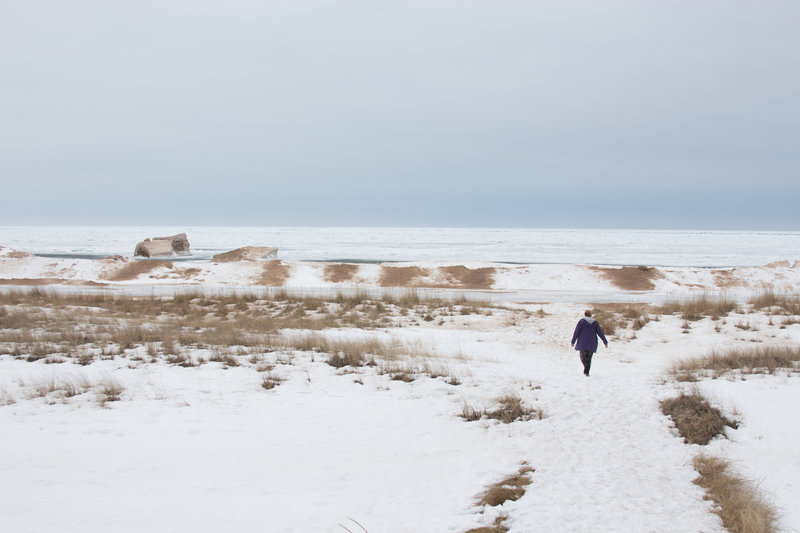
x: 586, y: 333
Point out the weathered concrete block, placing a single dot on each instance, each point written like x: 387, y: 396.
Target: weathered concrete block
x: 160, y: 246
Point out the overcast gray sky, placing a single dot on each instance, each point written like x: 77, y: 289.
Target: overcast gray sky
x: 625, y: 114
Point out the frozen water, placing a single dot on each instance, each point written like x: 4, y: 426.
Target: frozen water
x: 517, y: 245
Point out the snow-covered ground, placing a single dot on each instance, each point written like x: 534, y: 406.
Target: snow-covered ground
x: 208, y: 449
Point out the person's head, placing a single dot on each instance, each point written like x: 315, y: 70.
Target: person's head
x: 587, y: 313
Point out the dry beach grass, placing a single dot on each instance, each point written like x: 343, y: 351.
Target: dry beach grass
x: 400, y: 276
x: 42, y: 325
x: 508, y: 408
x: 133, y: 269
x: 340, y: 272
x: 630, y: 278
x: 510, y: 488
x: 740, y: 505
x: 705, y: 304
x: 274, y: 274
x: 454, y: 277
x: 70, y: 385
x: 750, y: 360
x: 695, y: 419
x: 353, y: 337
x: 466, y: 278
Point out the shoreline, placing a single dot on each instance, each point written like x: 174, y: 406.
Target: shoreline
x: 665, y: 248
x: 207, y: 258
x: 501, y: 281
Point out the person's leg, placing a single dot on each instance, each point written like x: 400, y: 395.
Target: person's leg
x: 586, y: 359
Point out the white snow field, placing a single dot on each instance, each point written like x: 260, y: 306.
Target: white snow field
x: 207, y: 449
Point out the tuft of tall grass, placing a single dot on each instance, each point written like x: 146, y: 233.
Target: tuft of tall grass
x: 351, y: 352
x: 706, y: 304
x: 224, y: 357
x: 509, y: 408
x: 357, y: 352
x: 470, y: 413
x: 68, y: 386
x: 750, y: 360
x: 742, y: 508
x: 6, y: 398
x: 271, y: 380
x: 609, y: 320
x: 180, y: 359
x: 615, y: 316
x: 776, y: 301
x: 510, y: 488
x: 695, y: 418
x: 110, y: 390
x: 63, y: 386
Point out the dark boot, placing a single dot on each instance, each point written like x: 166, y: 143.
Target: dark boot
x: 586, y: 359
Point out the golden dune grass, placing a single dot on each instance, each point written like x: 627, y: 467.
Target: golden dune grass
x: 630, y: 278
x: 696, y: 420
x: 274, y: 274
x: 401, y: 276
x: 740, y: 505
x: 466, y: 278
x: 340, y: 272
x: 750, y: 360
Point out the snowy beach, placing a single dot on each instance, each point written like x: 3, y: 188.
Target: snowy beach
x: 170, y: 433
x: 339, y: 267
x: 527, y: 265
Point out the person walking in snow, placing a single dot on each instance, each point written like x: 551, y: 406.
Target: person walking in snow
x: 586, y: 333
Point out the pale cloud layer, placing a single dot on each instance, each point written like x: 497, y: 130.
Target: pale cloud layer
x: 462, y: 113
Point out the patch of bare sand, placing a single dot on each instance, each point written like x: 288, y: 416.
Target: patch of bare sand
x: 726, y: 279
x: 274, y: 274
x: 38, y: 282
x: 778, y: 264
x: 340, y: 272
x: 467, y: 278
x: 401, y: 276
x: 247, y: 253
x: 630, y: 278
x: 134, y: 269
x: 187, y: 274
x: 14, y: 254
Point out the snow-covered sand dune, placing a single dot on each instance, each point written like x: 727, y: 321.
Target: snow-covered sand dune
x: 534, y: 282
x: 208, y: 449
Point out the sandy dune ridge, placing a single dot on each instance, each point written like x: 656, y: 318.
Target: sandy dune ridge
x: 20, y: 268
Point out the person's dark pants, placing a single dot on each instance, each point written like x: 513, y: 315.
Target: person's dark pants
x: 586, y: 359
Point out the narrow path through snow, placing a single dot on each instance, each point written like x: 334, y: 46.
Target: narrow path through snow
x: 605, y: 458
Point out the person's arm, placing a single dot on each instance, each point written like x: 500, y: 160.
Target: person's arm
x: 577, y: 333
x: 601, y: 334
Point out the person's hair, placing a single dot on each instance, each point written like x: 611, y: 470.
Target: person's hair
x: 587, y: 313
